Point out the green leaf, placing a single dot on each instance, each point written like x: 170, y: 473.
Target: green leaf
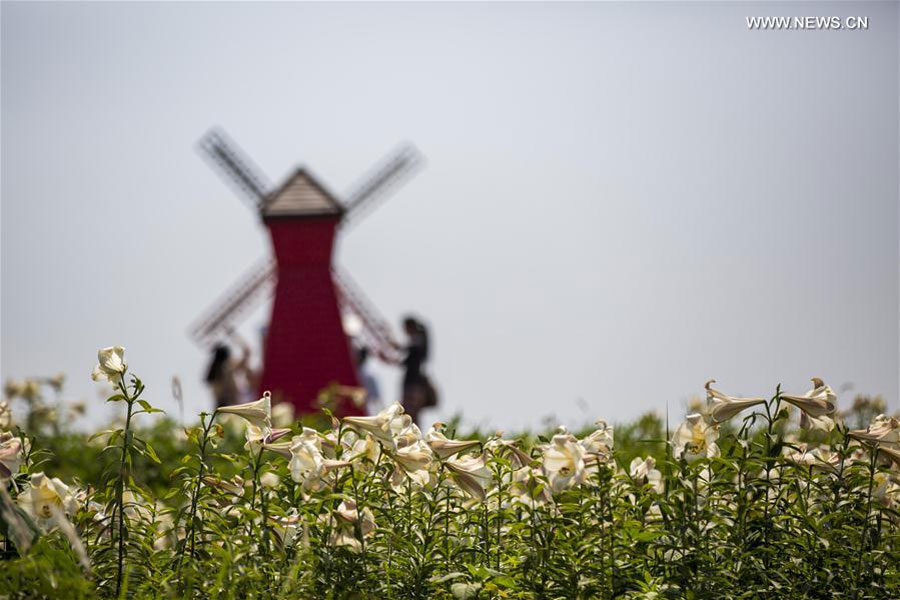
x: 101, y: 433
x: 151, y: 453
x: 149, y: 407
x: 449, y: 577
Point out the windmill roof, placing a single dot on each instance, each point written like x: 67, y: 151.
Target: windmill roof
x: 301, y: 196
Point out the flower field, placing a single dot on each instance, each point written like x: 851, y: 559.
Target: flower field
x: 781, y: 496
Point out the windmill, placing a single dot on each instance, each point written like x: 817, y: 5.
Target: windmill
x: 306, y: 348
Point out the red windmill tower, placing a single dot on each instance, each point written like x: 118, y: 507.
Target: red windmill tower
x: 306, y: 348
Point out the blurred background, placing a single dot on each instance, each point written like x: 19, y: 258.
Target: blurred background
x: 620, y: 200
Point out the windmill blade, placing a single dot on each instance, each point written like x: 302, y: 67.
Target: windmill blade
x: 385, y: 176
x: 255, y: 286
x: 234, y: 166
x: 376, y: 333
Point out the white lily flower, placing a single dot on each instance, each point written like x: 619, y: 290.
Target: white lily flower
x: 57, y: 381
x: 443, y: 447
x: 886, y: 490
x: 365, y: 450
x: 313, y: 437
x: 890, y: 454
x: 283, y: 414
x: 598, y: 446
x: 269, y: 480
x: 563, y: 462
x: 307, y: 465
x: 12, y: 453
x: 820, y: 401
x: 415, y: 461
x: 12, y: 388
x: 347, y: 518
x: 43, y: 494
x: 409, y: 435
x: 802, y: 455
x: 722, y: 406
x: 600, y: 441
x: 5, y: 414
x: 695, y: 437
x: 260, y: 437
x: 385, y: 425
x: 31, y: 389
x: 282, y: 448
x: 821, y: 423
x: 497, y: 446
x: 884, y: 430
x: 527, y: 487
x: 471, y: 474
x: 644, y: 472
x: 111, y: 365
x: 258, y: 413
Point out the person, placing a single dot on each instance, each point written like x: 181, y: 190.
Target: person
x: 418, y: 392
x: 225, y: 374
x: 368, y: 381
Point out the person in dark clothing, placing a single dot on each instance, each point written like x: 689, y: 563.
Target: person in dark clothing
x: 225, y: 375
x: 418, y: 392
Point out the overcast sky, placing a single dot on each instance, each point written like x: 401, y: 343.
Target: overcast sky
x: 620, y: 201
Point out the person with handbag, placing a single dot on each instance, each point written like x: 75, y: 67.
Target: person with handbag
x: 418, y: 391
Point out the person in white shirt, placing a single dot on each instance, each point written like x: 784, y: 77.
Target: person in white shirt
x: 367, y: 380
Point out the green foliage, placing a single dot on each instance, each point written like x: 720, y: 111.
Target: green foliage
x: 204, y: 512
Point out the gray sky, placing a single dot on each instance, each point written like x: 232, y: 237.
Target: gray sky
x: 620, y: 201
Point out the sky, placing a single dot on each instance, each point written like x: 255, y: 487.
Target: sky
x: 620, y: 201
